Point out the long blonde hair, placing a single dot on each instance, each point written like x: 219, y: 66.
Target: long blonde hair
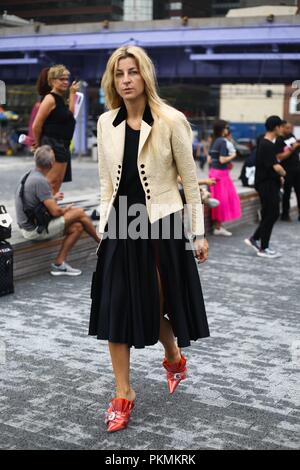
x: 158, y: 106
x: 147, y: 71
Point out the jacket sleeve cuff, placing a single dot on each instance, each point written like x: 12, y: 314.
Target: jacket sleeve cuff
x: 198, y: 237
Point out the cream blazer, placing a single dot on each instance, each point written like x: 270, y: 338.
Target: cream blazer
x: 157, y: 170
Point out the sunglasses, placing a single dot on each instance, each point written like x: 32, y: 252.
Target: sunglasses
x: 62, y: 79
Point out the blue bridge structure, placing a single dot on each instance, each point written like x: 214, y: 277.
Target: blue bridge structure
x: 205, y: 50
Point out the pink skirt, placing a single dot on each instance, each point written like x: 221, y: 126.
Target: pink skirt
x: 224, y: 190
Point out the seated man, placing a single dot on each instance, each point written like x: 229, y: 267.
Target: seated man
x: 66, y: 221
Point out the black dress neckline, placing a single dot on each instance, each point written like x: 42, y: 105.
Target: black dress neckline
x: 131, y: 129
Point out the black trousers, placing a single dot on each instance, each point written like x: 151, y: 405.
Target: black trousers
x: 292, y: 180
x: 269, y: 197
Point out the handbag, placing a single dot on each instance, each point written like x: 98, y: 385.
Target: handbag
x: 6, y: 268
x: 5, y: 224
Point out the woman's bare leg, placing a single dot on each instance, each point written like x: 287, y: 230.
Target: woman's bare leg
x: 166, y: 335
x: 120, y: 354
x: 56, y: 176
x: 120, y: 358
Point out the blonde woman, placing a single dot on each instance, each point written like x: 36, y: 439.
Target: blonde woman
x: 143, y: 145
x: 54, y: 123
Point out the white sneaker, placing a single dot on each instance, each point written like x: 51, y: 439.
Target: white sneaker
x: 222, y: 231
x: 252, y: 243
x: 267, y: 253
x: 64, y: 269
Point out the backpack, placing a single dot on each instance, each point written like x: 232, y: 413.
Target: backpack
x: 247, y: 175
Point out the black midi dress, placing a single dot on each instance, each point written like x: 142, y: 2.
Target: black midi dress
x: 125, y: 294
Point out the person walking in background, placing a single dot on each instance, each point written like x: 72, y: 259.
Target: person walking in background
x: 267, y: 183
x: 43, y: 89
x: 202, y: 151
x: 288, y: 149
x: 224, y: 190
x: 54, y: 123
x: 143, y: 144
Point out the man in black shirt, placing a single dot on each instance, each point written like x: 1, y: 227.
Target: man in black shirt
x: 267, y: 183
x: 288, y: 154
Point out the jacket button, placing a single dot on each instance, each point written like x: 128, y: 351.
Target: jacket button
x: 143, y: 172
x: 142, y: 165
x: 118, y: 177
x: 148, y: 197
x: 119, y: 166
x: 146, y: 184
x: 148, y: 190
x: 119, y: 171
x: 145, y: 177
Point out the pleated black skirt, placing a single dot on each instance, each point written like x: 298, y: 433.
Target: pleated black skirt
x: 125, y: 304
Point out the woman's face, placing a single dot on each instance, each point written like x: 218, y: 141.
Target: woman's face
x: 61, y: 83
x: 226, y: 131
x: 129, y: 83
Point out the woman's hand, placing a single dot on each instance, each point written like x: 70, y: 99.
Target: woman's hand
x: 74, y: 87
x: 208, y: 182
x: 223, y: 159
x: 34, y: 146
x: 201, y: 250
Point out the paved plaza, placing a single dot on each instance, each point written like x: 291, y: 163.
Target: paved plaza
x: 242, y: 390
x: 211, y: 60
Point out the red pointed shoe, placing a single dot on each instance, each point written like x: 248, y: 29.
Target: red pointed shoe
x: 118, y: 414
x: 175, y: 372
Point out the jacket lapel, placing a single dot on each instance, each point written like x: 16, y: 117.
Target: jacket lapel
x: 118, y: 138
x: 119, y: 129
x: 146, y: 127
x: 145, y: 131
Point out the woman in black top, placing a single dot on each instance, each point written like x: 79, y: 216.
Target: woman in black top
x: 54, y: 124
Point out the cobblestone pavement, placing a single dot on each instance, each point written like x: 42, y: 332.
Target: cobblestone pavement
x: 242, y: 390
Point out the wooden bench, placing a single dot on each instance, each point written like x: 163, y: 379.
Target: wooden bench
x: 250, y: 206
